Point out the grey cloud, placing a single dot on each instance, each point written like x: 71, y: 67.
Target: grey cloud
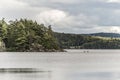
x: 81, y: 16
x: 99, y: 8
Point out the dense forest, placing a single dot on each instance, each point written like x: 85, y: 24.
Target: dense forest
x: 26, y: 35
x: 82, y: 41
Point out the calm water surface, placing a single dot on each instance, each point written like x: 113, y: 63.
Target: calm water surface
x: 71, y: 65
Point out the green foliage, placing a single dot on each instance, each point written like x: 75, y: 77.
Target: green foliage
x: 102, y: 44
x: 86, y: 41
x: 27, y: 35
x: 3, y: 28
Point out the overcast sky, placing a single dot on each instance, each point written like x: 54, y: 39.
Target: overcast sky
x: 69, y: 16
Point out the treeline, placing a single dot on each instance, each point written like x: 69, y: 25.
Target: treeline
x: 102, y: 44
x: 79, y: 41
x: 27, y: 35
x: 102, y: 34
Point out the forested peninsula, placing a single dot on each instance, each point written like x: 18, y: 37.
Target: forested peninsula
x: 28, y: 36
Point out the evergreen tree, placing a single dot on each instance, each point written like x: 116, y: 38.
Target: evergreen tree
x: 26, y: 35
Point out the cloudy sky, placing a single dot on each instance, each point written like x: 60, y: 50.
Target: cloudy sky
x: 69, y: 16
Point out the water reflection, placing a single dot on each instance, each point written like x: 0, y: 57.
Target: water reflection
x: 76, y: 75
x: 94, y: 76
x: 60, y: 66
x: 24, y: 74
x: 21, y: 70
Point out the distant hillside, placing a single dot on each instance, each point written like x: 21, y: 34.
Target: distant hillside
x: 88, y: 41
x: 113, y: 35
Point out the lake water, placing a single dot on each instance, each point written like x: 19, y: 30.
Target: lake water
x: 71, y: 65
